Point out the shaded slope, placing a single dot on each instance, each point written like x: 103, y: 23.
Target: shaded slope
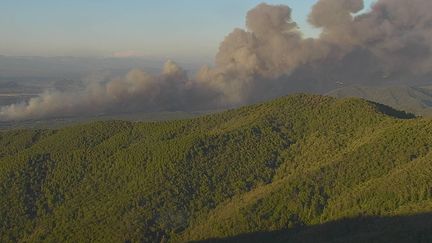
x: 417, y: 100
x: 414, y: 228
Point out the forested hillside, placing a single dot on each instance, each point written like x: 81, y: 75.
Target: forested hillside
x: 301, y: 168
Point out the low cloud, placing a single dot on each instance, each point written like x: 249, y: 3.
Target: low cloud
x: 126, y: 54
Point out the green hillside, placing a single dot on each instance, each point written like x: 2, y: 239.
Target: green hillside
x: 417, y: 100
x: 301, y: 168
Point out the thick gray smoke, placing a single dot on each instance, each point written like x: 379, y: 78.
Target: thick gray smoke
x: 138, y: 90
x: 392, y: 43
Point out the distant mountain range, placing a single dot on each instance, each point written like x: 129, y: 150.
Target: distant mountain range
x: 303, y: 168
x: 417, y: 100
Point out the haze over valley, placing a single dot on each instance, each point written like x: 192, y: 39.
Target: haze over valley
x: 269, y: 57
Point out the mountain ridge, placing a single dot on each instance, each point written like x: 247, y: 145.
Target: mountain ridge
x: 417, y: 100
x: 296, y: 161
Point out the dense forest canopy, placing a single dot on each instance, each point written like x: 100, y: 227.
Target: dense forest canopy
x: 297, y: 168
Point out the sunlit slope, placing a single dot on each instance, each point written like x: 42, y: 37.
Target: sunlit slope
x: 297, y: 161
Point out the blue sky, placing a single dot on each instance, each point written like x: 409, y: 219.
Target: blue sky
x: 152, y: 28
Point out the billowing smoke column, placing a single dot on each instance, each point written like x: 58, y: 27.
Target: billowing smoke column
x: 136, y: 91
x: 391, y: 43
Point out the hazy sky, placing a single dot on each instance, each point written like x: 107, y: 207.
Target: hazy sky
x: 152, y: 28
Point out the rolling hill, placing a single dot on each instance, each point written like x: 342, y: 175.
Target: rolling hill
x: 417, y: 100
x: 302, y: 168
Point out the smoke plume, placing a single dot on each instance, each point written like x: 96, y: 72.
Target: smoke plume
x: 270, y: 57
